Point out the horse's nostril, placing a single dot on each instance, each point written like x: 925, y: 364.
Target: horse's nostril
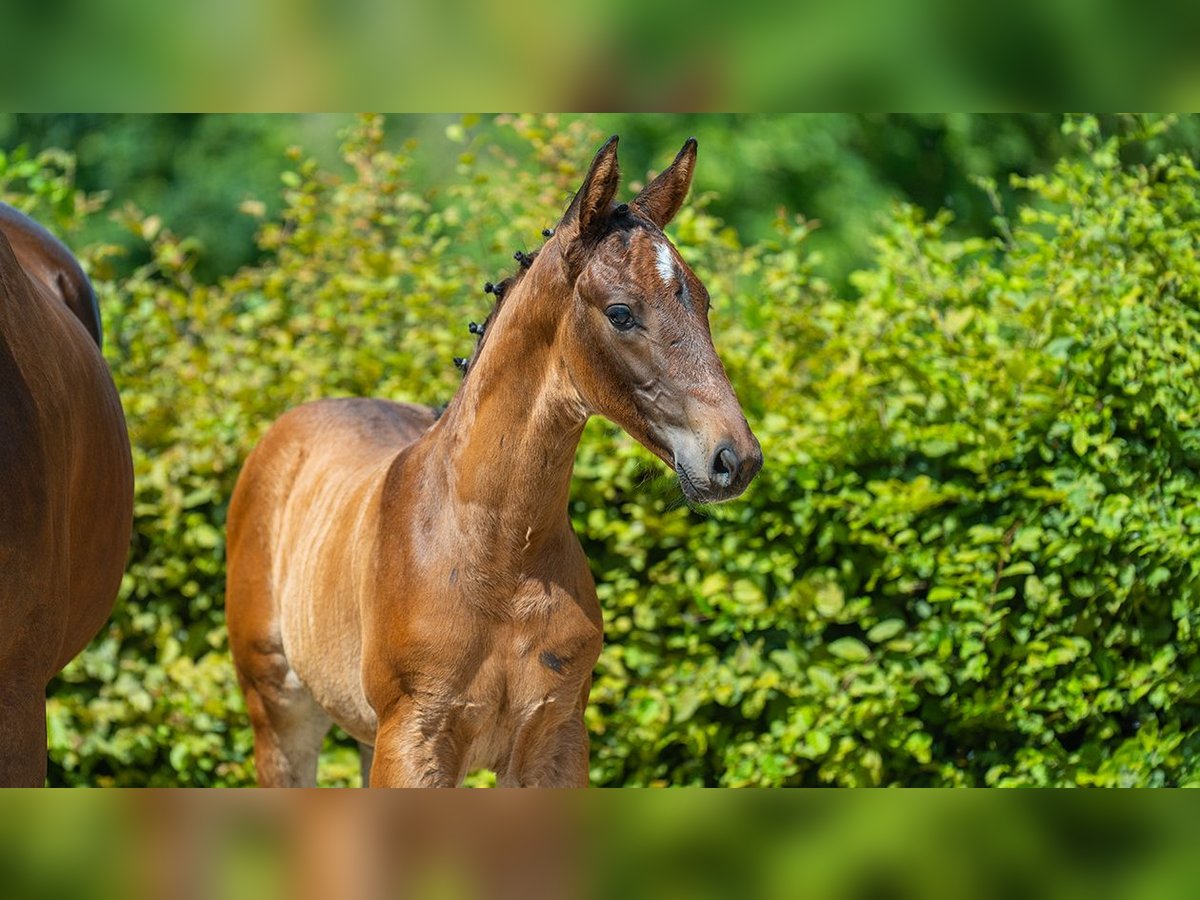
x: 724, y: 465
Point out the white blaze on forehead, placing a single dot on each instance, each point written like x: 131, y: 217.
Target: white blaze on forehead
x: 665, y: 262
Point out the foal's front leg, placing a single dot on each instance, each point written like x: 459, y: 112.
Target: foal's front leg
x: 416, y: 749
x: 566, y: 764
x: 550, y: 751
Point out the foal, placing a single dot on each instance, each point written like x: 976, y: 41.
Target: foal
x: 416, y: 579
x: 66, y: 482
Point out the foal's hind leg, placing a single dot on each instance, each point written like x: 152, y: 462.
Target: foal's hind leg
x: 289, y: 725
x: 366, y: 754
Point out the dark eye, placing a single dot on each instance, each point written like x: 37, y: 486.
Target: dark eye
x: 620, y: 316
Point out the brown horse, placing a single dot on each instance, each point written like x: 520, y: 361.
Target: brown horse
x: 416, y: 579
x: 66, y: 482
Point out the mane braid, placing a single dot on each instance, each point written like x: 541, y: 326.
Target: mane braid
x: 499, y: 291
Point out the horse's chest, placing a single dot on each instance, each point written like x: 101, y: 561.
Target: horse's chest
x: 518, y: 693
x: 488, y: 689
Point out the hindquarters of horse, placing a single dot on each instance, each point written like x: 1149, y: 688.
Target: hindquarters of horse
x: 298, y: 546
x: 66, y: 502
x: 47, y: 260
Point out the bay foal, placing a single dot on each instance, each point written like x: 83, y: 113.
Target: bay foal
x: 416, y: 579
x: 66, y: 482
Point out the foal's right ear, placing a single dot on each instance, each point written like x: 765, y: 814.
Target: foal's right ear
x: 595, y: 196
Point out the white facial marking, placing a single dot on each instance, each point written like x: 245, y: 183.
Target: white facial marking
x: 665, y: 263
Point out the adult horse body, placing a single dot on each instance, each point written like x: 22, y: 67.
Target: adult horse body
x: 416, y: 579
x: 66, y: 482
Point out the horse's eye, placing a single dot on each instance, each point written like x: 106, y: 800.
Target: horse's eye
x: 620, y: 316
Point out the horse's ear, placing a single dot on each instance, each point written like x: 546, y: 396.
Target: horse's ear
x: 595, y: 196
x: 661, y: 199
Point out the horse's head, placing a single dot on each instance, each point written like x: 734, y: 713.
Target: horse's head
x: 637, y: 341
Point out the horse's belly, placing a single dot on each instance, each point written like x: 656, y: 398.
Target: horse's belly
x: 320, y: 628
x: 331, y: 671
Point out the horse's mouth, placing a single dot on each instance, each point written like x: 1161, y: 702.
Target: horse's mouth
x: 690, y: 490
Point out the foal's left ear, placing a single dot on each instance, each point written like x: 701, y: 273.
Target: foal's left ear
x: 661, y: 199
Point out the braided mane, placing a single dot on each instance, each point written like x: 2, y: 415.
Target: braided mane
x: 499, y: 290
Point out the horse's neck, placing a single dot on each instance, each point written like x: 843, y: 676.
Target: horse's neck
x: 510, y: 434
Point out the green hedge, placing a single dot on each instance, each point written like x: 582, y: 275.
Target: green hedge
x: 972, y: 556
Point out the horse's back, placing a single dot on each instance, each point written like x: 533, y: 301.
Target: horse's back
x: 300, y: 534
x: 344, y: 438
x: 372, y: 426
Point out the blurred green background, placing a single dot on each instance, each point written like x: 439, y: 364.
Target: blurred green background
x: 967, y: 343
x: 843, y: 170
x: 873, y: 54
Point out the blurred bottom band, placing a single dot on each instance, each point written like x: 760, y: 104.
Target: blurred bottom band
x: 628, y: 844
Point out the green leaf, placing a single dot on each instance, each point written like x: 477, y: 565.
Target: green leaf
x: 850, y: 649
x: 885, y: 630
x: 818, y: 742
x: 830, y: 600
x: 1079, y: 441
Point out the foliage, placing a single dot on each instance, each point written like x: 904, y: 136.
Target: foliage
x: 187, y: 168
x: 972, y: 556
x: 841, y: 169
